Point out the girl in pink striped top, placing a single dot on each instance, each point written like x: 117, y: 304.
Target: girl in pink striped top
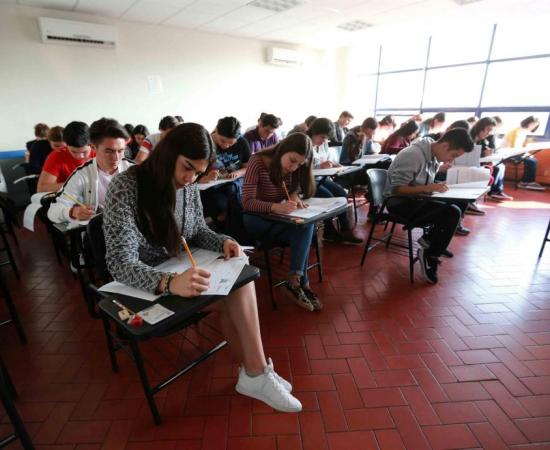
x: 287, y: 163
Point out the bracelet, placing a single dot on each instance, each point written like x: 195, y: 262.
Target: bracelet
x: 166, y: 290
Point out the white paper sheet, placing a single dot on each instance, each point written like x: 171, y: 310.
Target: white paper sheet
x: 468, y: 194
x: 371, y: 159
x: 471, y: 159
x: 318, y: 206
x: 461, y: 174
x: 205, y: 186
x: 114, y: 287
x: 327, y: 172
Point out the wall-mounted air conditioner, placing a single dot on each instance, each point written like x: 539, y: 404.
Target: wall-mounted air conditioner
x: 283, y: 57
x: 70, y: 32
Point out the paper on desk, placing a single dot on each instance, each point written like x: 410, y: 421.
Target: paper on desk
x: 114, y: 287
x: 371, y: 159
x: 205, y: 186
x: 465, y: 193
x: 154, y: 314
x: 328, y: 172
x: 317, y: 206
x: 76, y: 223
x: 29, y: 215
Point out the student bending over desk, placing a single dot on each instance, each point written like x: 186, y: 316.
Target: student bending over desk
x: 285, y: 165
x: 412, y: 174
x: 148, y: 209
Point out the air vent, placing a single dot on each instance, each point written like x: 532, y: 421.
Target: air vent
x: 354, y: 25
x: 80, y: 40
x: 276, y: 5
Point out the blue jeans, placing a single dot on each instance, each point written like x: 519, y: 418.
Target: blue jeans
x: 326, y: 188
x: 529, y: 170
x: 298, y: 237
x: 498, y: 176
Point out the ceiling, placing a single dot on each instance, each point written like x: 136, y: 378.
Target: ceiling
x: 313, y: 23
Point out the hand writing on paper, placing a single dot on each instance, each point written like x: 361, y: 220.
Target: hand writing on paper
x: 231, y: 249
x: 437, y: 187
x: 284, y: 208
x: 190, y: 283
x: 212, y: 175
x: 81, y: 213
x: 299, y: 203
x: 326, y: 165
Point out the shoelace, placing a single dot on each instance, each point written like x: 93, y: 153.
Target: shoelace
x: 271, y: 375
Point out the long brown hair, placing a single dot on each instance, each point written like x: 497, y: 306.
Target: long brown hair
x: 303, y: 176
x: 156, y: 197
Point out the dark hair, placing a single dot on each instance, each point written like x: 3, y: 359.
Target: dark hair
x: 156, y: 192
x: 179, y: 119
x: 41, y: 130
x: 321, y: 125
x: 167, y: 123
x: 458, y: 138
x: 229, y: 127
x: 129, y: 128
x: 459, y: 124
x: 107, y: 128
x: 497, y: 119
x: 440, y: 117
x: 406, y: 129
x: 309, y: 120
x: 77, y: 134
x: 140, y: 129
x: 480, y: 125
x: 528, y: 120
x: 269, y: 120
x: 388, y: 120
x: 346, y: 114
x: 299, y: 143
x: 55, y: 134
x: 369, y: 124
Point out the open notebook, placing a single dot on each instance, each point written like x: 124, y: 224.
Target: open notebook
x: 317, y: 206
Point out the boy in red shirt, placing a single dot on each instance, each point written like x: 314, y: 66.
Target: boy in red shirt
x: 61, y: 162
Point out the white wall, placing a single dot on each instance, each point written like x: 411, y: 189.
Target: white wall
x: 205, y: 76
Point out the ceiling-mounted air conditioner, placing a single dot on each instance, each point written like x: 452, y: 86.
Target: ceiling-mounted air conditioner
x: 71, y: 32
x: 283, y: 57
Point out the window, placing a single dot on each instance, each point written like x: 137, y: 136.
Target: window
x: 454, y: 86
x: 408, y: 53
x: 521, y: 39
x: 400, y: 90
x: 453, y: 46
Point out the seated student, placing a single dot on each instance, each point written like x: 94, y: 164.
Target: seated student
x: 62, y: 161
x: 472, y: 120
x: 319, y: 131
x: 386, y: 126
x: 432, y: 125
x: 400, y: 139
x: 148, y: 209
x: 152, y: 140
x: 232, y: 155
x: 358, y: 141
x: 129, y: 128
x: 302, y: 127
x: 340, y: 129
x: 411, y: 174
x: 493, y: 138
x: 43, y: 147
x: 40, y: 134
x: 517, y: 139
x: 286, y: 164
x: 139, y: 133
x: 263, y: 135
x: 88, y: 183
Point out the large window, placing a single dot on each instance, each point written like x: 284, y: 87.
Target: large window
x: 453, y: 86
x: 403, y: 89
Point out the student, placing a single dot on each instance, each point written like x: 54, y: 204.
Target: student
x: 40, y: 134
x: 263, y: 135
x: 492, y: 138
x: 516, y: 139
x: 358, y: 141
x: 43, y: 147
x: 147, y: 210
x: 432, y: 125
x: 139, y: 133
x: 287, y: 163
x: 88, y: 183
x: 340, y: 129
x: 152, y: 140
x: 385, y: 128
x: 303, y: 127
x: 232, y: 155
x: 62, y: 161
x: 412, y: 174
x: 400, y: 139
x: 319, y: 131
x: 129, y: 128
x: 472, y: 120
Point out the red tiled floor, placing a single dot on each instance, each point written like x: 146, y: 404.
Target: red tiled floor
x: 387, y: 365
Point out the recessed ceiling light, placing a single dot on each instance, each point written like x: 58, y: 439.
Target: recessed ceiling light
x: 354, y: 25
x: 276, y: 5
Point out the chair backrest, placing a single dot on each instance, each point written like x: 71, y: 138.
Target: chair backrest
x: 376, y: 179
x: 96, y: 243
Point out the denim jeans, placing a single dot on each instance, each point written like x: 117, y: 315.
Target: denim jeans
x: 298, y: 237
x: 326, y: 188
x: 498, y: 176
x: 529, y: 170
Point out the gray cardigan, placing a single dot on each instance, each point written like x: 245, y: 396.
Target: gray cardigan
x: 130, y: 256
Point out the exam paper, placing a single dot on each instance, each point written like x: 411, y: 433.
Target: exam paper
x: 318, y: 206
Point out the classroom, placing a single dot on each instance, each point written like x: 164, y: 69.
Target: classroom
x: 274, y: 224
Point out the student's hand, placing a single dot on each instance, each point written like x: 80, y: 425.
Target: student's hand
x: 231, y: 249
x: 299, y: 203
x: 210, y: 176
x: 444, y: 167
x: 326, y: 165
x: 284, y: 208
x: 233, y: 175
x: 80, y: 213
x: 190, y: 283
x: 437, y: 187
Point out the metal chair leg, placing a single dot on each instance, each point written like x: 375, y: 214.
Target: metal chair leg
x: 318, y: 255
x: 390, y: 235
x: 267, y: 258
x: 545, y: 240
x: 411, y: 257
x: 369, y: 239
x: 10, y: 254
x: 13, y: 311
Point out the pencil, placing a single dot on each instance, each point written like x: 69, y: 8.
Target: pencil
x: 186, y: 247
x: 286, y: 191
x: 120, y: 305
x: 70, y: 197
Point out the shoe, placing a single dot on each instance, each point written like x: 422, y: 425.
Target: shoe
x: 331, y: 235
x: 474, y: 210
x: 461, y: 230
x: 280, y: 379
x: 447, y: 253
x: 298, y: 296
x: 347, y: 237
x: 496, y: 197
x: 267, y: 389
x: 428, y: 265
x: 314, y: 300
x: 535, y: 187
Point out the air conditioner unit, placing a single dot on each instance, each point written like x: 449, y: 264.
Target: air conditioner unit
x: 283, y: 57
x: 70, y: 32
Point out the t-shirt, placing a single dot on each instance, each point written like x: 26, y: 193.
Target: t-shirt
x: 257, y: 143
x: 232, y: 158
x: 61, y: 163
x: 103, y: 180
x: 149, y: 143
x: 39, y: 151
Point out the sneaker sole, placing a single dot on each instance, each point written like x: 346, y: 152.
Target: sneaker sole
x: 267, y: 402
x: 474, y: 213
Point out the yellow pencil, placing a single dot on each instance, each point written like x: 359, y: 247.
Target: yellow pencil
x: 70, y: 197
x: 286, y: 191
x: 188, y: 250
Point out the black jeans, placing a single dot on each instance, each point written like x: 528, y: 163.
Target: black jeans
x: 439, y: 219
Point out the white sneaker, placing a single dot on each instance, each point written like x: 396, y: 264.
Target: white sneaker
x: 279, y: 378
x: 267, y: 389
x: 535, y: 186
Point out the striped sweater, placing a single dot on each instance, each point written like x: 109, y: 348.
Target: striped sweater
x: 259, y: 192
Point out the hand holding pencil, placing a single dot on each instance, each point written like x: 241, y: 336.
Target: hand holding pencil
x: 79, y: 211
x: 194, y: 281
